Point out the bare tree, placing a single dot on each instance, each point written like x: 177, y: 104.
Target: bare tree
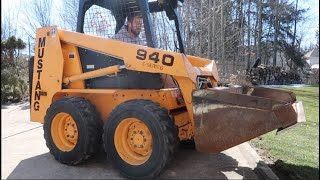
x: 7, y: 28
x: 223, y: 38
x: 37, y: 14
x: 249, y: 36
x: 276, y: 30
x: 259, y: 33
x: 209, y: 31
x: 295, y: 25
x: 201, y: 28
x: 69, y: 14
x: 213, y: 29
x: 241, y: 31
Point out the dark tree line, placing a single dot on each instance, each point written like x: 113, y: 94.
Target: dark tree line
x: 236, y: 33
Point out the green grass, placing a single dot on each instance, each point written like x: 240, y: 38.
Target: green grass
x: 297, y: 150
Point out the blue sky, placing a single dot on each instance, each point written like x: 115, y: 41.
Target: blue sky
x: 308, y: 28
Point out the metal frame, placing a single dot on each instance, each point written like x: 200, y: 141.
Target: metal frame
x: 145, y: 8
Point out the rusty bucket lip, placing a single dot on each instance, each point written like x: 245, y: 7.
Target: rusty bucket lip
x: 247, y: 88
x: 234, y: 98
x: 301, y: 119
x: 257, y: 91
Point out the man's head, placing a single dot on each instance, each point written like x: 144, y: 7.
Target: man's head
x: 134, y: 24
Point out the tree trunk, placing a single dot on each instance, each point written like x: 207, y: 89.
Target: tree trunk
x: 188, y: 28
x: 213, y: 48
x: 222, y: 40
x: 295, y: 25
x: 201, y: 31
x: 242, y: 34
x: 210, y: 12
x: 275, y: 37
x: 259, y: 29
x: 249, y: 36
x: 295, y: 29
x: 256, y: 32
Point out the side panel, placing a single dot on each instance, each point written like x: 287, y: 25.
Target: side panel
x: 126, y: 79
x: 141, y: 58
x: 47, y: 71
x: 72, y: 65
x: 135, y: 57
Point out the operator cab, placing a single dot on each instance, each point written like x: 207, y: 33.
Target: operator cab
x: 104, y: 18
x: 160, y: 28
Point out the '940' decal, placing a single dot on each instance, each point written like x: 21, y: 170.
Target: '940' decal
x: 166, y: 60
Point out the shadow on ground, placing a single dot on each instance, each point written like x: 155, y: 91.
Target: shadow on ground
x: 23, y: 105
x: 4, y: 107
x: 188, y: 164
x: 44, y: 166
x: 287, y: 171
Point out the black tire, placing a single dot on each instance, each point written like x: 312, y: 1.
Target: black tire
x: 30, y: 66
x: 188, y: 144
x: 89, y: 125
x: 164, y: 137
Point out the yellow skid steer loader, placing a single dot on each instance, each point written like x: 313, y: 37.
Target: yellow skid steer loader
x: 89, y: 89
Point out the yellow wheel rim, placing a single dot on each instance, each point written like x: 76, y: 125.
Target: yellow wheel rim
x: 133, y: 141
x: 64, y: 132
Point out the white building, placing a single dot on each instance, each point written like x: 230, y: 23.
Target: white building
x: 312, y: 58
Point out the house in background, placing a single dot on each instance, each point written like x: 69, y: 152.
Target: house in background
x: 312, y: 58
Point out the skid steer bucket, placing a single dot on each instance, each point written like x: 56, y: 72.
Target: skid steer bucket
x: 226, y: 117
